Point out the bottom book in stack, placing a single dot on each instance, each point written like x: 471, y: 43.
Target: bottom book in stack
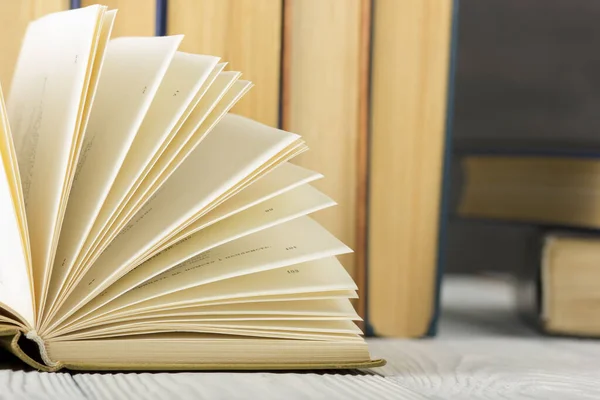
x: 561, y: 294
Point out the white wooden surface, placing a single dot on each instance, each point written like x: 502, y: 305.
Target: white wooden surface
x: 482, y: 352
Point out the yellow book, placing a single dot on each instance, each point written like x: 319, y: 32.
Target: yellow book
x: 558, y: 292
x: 411, y: 97
x: 144, y: 227
x: 549, y: 190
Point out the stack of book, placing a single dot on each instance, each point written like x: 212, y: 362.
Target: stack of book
x: 562, y: 195
x: 526, y: 135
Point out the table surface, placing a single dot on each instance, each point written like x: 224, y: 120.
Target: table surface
x: 482, y: 352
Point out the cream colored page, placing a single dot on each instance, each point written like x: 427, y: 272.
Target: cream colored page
x: 222, y: 84
x: 98, y: 232
x: 15, y: 284
x: 298, y: 202
x: 46, y: 96
x: 343, y: 326
x: 246, y: 143
x: 311, y: 324
x: 283, y: 178
x: 255, y: 321
x: 11, y: 165
x: 176, y: 331
x: 132, y: 72
x: 294, y: 242
x: 238, y: 89
x: 93, y: 77
x: 320, y: 276
x: 134, y: 205
x: 101, y: 236
x: 186, y: 75
x: 73, y: 323
x: 63, y: 268
x: 108, y: 19
x: 272, y: 183
x: 184, y: 143
x: 215, y: 94
x: 324, y: 307
x: 179, y: 151
x: 278, y: 210
x: 269, y: 249
x: 183, y: 232
x: 316, y: 308
x: 244, y: 195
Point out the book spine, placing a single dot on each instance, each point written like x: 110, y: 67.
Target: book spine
x: 528, y: 286
x: 34, y: 337
x: 447, y: 167
x: 161, y: 17
x: 26, y: 349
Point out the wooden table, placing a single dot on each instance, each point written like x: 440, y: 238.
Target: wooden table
x: 482, y: 352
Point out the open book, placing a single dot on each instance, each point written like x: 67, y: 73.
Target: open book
x: 144, y: 227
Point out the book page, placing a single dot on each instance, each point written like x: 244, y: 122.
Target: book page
x: 275, y: 182
x: 177, y: 95
x: 45, y: 110
x: 280, y: 209
x: 323, y: 307
x: 330, y: 308
x: 16, y: 289
x: 102, y: 233
x: 108, y: 20
x: 257, y: 175
x: 64, y: 264
x: 294, y: 242
x: 248, y: 145
x: 243, y: 192
x: 312, y: 324
x: 132, y: 72
x: 214, y: 94
x: 254, y: 315
x: 343, y: 326
x: 283, y: 178
x: 263, y: 170
x: 179, y: 151
x: 196, y: 348
x: 349, y: 337
x: 341, y: 308
x: 182, y: 147
x: 227, y: 102
x: 77, y: 321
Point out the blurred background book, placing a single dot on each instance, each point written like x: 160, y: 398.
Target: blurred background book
x: 455, y: 136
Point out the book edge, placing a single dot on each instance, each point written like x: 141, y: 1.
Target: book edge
x: 9, y: 338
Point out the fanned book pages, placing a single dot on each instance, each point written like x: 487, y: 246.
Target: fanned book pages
x: 144, y: 227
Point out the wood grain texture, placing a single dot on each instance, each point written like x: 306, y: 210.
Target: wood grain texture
x: 550, y: 369
x: 409, y: 83
x: 14, y: 17
x: 247, y: 35
x: 322, y: 102
x: 483, y: 352
x: 34, y: 385
x: 134, y: 17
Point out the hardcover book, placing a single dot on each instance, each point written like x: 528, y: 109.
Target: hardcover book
x: 558, y: 292
x: 144, y: 227
x: 410, y: 159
